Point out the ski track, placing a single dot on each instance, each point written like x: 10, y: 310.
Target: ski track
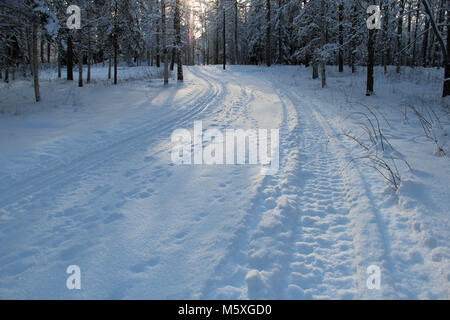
x: 63, y: 173
x: 46, y: 188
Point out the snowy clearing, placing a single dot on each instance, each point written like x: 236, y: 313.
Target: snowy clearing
x: 86, y: 179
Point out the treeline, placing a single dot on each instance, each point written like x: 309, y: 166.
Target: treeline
x: 323, y: 32
x: 176, y: 32
x: 33, y: 32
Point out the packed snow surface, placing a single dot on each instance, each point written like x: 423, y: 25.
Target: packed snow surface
x: 86, y: 179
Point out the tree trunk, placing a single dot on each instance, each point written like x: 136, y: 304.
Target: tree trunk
x: 116, y: 43
x: 216, y: 40
x: 80, y: 71
x: 236, y: 51
x: 370, y: 63
x: 30, y: 47
x: 315, y: 69
x: 341, y: 37
x: 444, y: 47
x: 49, y: 48
x: 89, y: 57
x: 35, y: 60
x: 323, y: 74
x: 116, y: 53
x: 268, y: 32
x: 399, y: 35
x: 425, y: 42
x: 178, y: 41
x: 324, y: 42
x: 409, y: 61
x: 446, y: 89
x: 59, y: 60
x: 224, y: 40
x: 42, y: 49
x: 158, y: 45
x: 69, y: 58
x: 416, y: 26
x: 174, y: 49
x: 172, y: 60
x: 109, y: 66
x: 353, y: 41
x: 80, y: 60
x: 386, y: 42
x: 164, y: 42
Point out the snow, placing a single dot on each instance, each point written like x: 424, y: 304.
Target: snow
x: 86, y: 179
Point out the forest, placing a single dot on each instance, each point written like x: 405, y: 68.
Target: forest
x: 163, y: 32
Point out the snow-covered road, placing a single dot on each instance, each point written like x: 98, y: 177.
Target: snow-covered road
x: 100, y: 191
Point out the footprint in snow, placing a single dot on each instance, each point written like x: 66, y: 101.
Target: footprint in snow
x: 143, y: 266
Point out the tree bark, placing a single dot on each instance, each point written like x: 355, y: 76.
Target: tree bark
x: 59, y: 60
x: 315, y: 69
x: 178, y: 41
x: 399, y: 35
x: 158, y: 45
x: 370, y: 63
x: 35, y: 60
x: 446, y: 88
x: 42, y: 49
x: 109, y: 66
x: 444, y: 48
x: 174, y: 49
x: 341, y: 37
x: 324, y: 42
x: 89, y: 57
x: 353, y: 41
x: 80, y: 60
x: 7, y: 74
x: 69, y: 58
x: 224, y: 39
x: 164, y: 42
x: 416, y: 26
x: 236, y: 51
x: 425, y: 42
x: 49, y: 48
x: 116, y: 53
x: 116, y: 43
x: 216, y: 40
x: 268, y: 32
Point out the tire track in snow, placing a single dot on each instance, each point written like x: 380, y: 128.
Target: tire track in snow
x: 322, y: 255
x: 367, y: 234
x: 312, y: 230
x: 322, y: 231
